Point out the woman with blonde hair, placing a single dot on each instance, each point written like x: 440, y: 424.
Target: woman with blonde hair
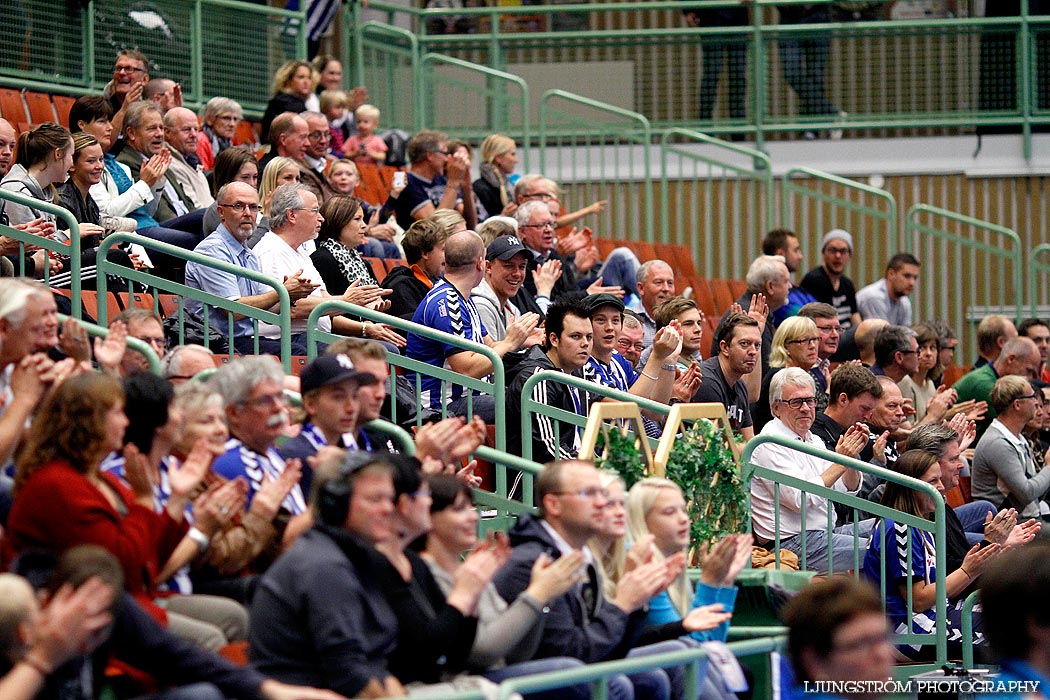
x: 293, y: 83
x: 609, y: 547
x: 499, y: 157
x: 279, y: 171
x: 795, y: 344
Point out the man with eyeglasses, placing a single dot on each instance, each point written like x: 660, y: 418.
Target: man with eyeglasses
x: 629, y: 345
x: 793, y: 400
x: 434, y: 179
x: 886, y: 426
x: 318, y: 137
x: 582, y: 623
x: 828, y: 282
x: 1039, y: 331
x: 252, y: 389
x: 1004, y: 469
x: 1019, y: 357
x: 896, y: 353
x: 130, y: 75
x: 146, y: 326
x: 827, y: 319
x: 238, y: 205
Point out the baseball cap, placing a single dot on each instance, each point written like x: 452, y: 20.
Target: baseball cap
x: 594, y: 302
x: 504, y: 248
x: 331, y: 369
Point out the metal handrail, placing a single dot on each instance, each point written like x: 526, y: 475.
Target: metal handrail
x: 281, y: 318
x: 72, y: 249
x: 497, y: 387
x: 936, y: 525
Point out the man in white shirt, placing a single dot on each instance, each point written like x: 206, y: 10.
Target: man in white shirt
x: 792, y: 399
x: 295, y: 219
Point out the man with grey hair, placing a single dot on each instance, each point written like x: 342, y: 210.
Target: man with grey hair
x: 238, y: 204
x: 793, y: 400
x: 768, y: 285
x: 184, y: 362
x: 656, y: 285
x: 256, y: 412
x: 185, y: 173
x: 449, y: 308
x: 1004, y: 469
x: 295, y: 219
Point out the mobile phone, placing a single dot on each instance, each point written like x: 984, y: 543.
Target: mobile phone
x: 400, y: 179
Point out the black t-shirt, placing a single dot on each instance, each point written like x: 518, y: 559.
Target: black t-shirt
x: 817, y: 283
x: 417, y: 192
x: 715, y: 389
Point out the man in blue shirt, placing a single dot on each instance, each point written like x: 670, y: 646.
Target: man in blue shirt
x: 448, y: 308
x: 238, y: 203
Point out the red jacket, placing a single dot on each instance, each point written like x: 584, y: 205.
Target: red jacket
x: 58, y: 508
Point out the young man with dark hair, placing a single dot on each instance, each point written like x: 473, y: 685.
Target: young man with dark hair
x: 854, y: 394
x: 567, y: 347
x: 782, y: 242
x: 739, y: 342
x: 888, y: 298
x: 1039, y: 331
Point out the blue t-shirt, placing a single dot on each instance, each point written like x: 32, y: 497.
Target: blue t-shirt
x: 443, y: 309
x: 662, y: 610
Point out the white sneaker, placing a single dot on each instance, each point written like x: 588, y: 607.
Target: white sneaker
x: 836, y: 134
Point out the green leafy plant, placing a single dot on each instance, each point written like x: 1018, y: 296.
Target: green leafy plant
x: 702, y: 464
x: 618, y: 453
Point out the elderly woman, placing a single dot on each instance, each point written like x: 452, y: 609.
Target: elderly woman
x: 292, y: 84
x: 221, y: 117
x: 795, y: 344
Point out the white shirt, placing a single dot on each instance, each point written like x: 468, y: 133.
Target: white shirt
x: 796, y: 464
x: 279, y: 260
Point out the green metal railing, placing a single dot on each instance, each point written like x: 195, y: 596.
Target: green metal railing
x: 387, y: 60
x: 967, y: 628
x: 723, y: 199
x: 495, y: 388
x: 971, y: 268
x: 66, y: 47
x: 1038, y: 279
x: 933, y: 75
x: 859, y: 505
x: 506, y: 509
x: 600, y: 147
x: 145, y: 349
x: 813, y: 202
x: 71, y: 249
x: 210, y: 302
x: 472, y: 101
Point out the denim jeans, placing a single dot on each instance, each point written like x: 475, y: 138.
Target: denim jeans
x: 620, y: 269
x: 841, y: 546
x: 972, y: 515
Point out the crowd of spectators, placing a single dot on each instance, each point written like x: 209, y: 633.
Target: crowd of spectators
x: 172, y: 516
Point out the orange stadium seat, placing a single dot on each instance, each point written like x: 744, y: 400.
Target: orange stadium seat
x: 40, y: 107
x: 247, y: 134
x: 724, y: 296
x: 63, y: 103
x: 12, y: 106
x: 378, y: 268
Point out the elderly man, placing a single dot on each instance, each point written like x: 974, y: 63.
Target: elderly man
x: 582, y: 623
x: 166, y: 93
x: 827, y: 320
x: 793, y: 400
x: 434, y: 179
x: 739, y: 341
x: 992, y: 333
x: 238, y: 205
x: 256, y: 412
x: 1004, y: 471
x: 289, y: 137
x: 1019, y: 356
x: 896, y: 352
x: 185, y: 173
x: 888, y: 298
x: 507, y: 261
x: 886, y: 426
x: 630, y: 344
x: 184, y: 362
x: 655, y: 286
x: 146, y: 326
x: 829, y: 283
x: 768, y: 284
x: 536, y: 227
x: 295, y: 219
x: 318, y: 137
x: 144, y: 133
x: 447, y: 307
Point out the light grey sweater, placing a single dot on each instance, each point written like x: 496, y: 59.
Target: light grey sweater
x: 1002, y: 475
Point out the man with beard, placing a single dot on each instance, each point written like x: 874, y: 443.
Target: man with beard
x: 829, y: 283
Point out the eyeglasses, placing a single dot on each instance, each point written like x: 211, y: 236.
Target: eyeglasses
x: 800, y: 341
x: 549, y: 224
x: 1025, y: 398
x: 232, y: 118
x: 312, y: 210
x: 128, y: 69
x: 627, y: 345
x: 266, y: 401
x: 319, y: 135
x: 441, y: 152
x: 829, y: 329
x: 799, y: 401
x: 908, y: 352
x: 158, y: 341
x: 588, y: 494
x: 545, y: 196
x: 836, y: 251
x: 241, y: 206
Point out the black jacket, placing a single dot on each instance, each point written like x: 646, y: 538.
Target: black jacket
x: 408, y: 292
x: 550, y: 441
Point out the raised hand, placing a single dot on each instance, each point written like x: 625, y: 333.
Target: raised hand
x: 73, y: 341
x: 759, y: 309
x: 546, y: 276
x: 109, y: 351
x: 597, y: 288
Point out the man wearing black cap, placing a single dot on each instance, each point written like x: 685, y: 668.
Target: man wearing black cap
x: 505, y: 272
x: 609, y: 368
x: 329, y: 388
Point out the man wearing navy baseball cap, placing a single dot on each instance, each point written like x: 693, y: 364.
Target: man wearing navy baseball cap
x: 496, y: 295
x: 329, y: 387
